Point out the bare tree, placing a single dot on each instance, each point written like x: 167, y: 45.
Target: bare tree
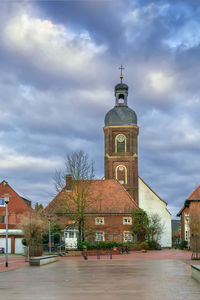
x: 33, y: 227
x: 78, y: 200
x: 78, y: 165
x: 156, y: 227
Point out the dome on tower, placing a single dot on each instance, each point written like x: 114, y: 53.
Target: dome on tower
x: 120, y: 115
x: 121, y: 86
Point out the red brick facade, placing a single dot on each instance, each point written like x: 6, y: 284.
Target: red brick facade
x: 17, y: 207
x: 191, y: 207
x: 108, y: 201
x: 116, y: 161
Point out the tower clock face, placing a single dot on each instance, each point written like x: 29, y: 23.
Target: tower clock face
x: 120, y: 138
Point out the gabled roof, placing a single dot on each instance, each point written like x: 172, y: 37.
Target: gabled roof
x: 152, y: 190
x: 155, y: 194
x: 195, y: 196
x: 104, y: 196
x: 16, y: 203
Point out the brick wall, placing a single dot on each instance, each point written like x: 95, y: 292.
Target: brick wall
x: 129, y: 158
x: 113, y: 226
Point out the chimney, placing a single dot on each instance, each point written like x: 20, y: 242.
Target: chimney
x: 69, y: 182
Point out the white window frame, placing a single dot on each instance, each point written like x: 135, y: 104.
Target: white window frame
x: 125, y: 233
x: 128, y: 222
x: 187, y: 228
x: 100, y: 233
x: 99, y: 221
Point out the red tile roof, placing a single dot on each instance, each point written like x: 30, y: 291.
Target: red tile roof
x: 16, y: 206
x: 104, y: 196
x: 195, y: 195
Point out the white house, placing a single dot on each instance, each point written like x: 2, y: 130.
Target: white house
x: 152, y: 203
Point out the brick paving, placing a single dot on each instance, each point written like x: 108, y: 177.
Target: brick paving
x: 174, y: 254
x: 14, y: 262
x: 17, y: 262
x: 155, y: 279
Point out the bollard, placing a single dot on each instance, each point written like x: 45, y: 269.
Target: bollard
x: 85, y: 255
x: 98, y: 254
x: 110, y: 253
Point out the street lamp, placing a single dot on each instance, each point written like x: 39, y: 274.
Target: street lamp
x: 49, y: 219
x: 6, y: 199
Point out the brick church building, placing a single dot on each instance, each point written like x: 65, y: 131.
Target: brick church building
x: 121, y: 189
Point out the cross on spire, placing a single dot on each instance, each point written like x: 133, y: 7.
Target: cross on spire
x: 121, y: 76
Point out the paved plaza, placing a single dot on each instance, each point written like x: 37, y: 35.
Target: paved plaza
x: 144, y: 279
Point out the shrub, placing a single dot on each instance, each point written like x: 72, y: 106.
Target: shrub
x: 153, y: 245
x: 24, y: 242
x: 144, y: 246
x: 134, y: 247
x: 98, y: 245
x: 183, y: 245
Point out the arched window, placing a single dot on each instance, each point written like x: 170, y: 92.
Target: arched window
x: 120, y: 143
x: 121, y: 98
x: 121, y: 174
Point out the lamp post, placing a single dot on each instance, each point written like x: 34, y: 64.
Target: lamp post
x: 6, y: 199
x: 49, y: 219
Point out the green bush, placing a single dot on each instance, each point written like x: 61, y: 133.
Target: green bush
x: 24, y: 242
x: 183, y: 245
x: 134, y: 247
x: 99, y: 245
x: 144, y: 246
x: 153, y: 245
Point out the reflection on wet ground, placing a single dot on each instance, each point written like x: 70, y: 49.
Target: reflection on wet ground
x: 120, y: 279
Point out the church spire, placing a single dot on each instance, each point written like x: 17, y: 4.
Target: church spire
x: 121, y: 76
x: 121, y: 91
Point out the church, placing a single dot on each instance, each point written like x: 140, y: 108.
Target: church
x: 121, y: 189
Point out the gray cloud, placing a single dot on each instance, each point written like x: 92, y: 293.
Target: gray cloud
x: 59, y: 65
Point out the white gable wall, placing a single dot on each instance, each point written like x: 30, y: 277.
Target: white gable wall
x: 151, y: 203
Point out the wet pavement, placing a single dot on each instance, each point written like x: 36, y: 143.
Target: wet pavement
x: 14, y: 262
x: 103, y: 279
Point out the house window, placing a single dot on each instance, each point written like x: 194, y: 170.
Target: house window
x: 71, y: 234
x: 99, y: 221
x: 99, y: 236
x: 2, y: 219
x: 187, y: 235
x: 187, y: 228
x: 127, y: 220
x: 127, y: 236
x: 2, y: 202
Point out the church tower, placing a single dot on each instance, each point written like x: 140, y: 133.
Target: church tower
x: 121, y: 135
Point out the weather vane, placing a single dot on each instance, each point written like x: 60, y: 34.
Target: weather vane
x: 121, y: 76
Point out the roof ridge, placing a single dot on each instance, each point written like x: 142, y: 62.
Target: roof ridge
x: 188, y: 198
x: 152, y: 190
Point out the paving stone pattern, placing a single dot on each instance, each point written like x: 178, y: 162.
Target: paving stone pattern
x: 103, y: 279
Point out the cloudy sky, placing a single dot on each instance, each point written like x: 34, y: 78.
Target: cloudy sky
x: 58, y: 66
